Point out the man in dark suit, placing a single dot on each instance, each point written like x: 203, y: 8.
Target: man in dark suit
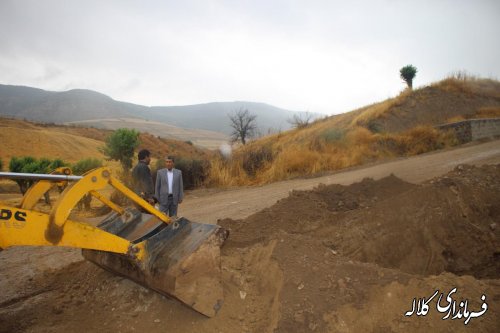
x: 169, y: 188
x: 141, y: 177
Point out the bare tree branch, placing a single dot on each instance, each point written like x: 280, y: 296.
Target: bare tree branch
x: 300, y: 120
x: 243, y: 125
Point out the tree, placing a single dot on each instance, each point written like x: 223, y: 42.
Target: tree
x: 243, y: 125
x: 30, y: 164
x: 300, y: 120
x: 407, y: 73
x: 120, y: 146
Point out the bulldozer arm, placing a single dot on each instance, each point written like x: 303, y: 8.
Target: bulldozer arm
x: 177, y: 258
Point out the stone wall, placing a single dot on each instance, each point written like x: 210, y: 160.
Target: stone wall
x: 474, y: 129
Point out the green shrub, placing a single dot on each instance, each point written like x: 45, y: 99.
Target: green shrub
x: 29, y: 164
x: 85, y: 165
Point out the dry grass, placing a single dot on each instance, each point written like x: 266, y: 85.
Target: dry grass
x: 226, y: 173
x: 488, y: 112
x: 468, y: 84
x: 380, y: 110
x: 455, y: 119
x: 294, y: 156
x: 454, y: 85
x: 45, y: 143
x: 422, y: 139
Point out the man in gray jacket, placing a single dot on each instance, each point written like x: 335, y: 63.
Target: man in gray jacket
x: 169, y: 189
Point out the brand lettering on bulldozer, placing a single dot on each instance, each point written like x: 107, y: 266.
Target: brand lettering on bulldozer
x: 6, y: 220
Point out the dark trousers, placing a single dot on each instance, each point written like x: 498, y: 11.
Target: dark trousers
x: 170, y: 208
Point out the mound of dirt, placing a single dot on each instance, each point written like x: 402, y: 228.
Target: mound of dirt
x: 334, y: 259
x: 335, y: 241
x: 448, y: 224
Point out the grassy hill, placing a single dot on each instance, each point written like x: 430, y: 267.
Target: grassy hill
x: 447, y: 100
x: 23, y: 138
x: 399, y: 126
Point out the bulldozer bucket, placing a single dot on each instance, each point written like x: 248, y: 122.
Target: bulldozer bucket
x: 182, y: 259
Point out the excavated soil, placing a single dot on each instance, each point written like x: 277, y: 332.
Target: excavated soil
x: 334, y: 259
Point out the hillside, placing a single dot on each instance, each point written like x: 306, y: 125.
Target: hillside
x: 91, y: 107
x: 199, y: 137
x: 400, y: 126
x: 447, y: 100
x: 444, y: 101
x: 22, y: 138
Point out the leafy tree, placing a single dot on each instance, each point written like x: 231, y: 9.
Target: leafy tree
x: 407, y: 73
x: 243, y: 124
x: 18, y: 164
x: 29, y: 164
x: 120, y: 146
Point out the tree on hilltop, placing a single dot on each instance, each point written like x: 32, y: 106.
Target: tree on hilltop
x: 407, y: 73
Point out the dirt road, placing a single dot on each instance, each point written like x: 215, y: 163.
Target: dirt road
x: 208, y: 206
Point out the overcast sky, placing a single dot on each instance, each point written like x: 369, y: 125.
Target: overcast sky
x: 322, y: 56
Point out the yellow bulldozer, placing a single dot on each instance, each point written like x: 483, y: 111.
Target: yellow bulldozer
x: 175, y: 257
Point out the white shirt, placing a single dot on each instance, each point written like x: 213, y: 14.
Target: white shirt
x: 170, y: 178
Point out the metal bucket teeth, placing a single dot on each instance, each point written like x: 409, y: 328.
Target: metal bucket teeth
x: 182, y: 259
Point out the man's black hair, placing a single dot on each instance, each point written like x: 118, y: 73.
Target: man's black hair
x: 143, y: 154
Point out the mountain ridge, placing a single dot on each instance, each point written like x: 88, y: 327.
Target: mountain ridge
x: 77, y: 105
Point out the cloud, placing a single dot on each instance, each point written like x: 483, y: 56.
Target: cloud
x: 321, y: 56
